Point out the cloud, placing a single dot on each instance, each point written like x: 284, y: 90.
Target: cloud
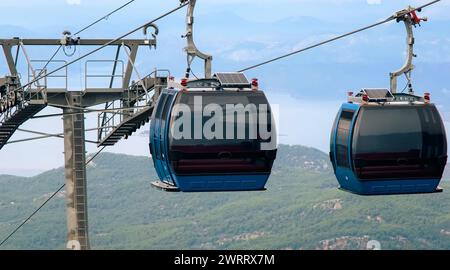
x: 73, y: 2
x: 244, y: 55
x: 374, y: 2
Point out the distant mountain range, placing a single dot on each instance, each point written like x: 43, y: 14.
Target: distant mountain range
x: 301, y: 209
x: 328, y: 72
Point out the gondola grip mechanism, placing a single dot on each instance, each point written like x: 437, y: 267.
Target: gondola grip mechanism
x: 410, y: 18
x: 191, y: 48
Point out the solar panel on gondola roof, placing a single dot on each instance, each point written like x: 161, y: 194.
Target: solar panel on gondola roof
x: 378, y: 93
x: 232, y: 79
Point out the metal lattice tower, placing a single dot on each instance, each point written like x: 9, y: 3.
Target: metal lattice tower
x: 128, y: 107
x: 75, y: 172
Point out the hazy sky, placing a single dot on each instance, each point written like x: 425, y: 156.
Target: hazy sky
x: 308, y: 88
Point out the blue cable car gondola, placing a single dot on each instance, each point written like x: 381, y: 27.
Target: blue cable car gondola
x: 194, y: 163
x: 388, y: 144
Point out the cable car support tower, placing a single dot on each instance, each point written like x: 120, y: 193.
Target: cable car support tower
x: 128, y: 107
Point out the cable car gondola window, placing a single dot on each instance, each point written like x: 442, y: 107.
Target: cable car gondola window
x: 165, y: 112
x: 163, y: 120
x: 238, y: 98
x: 342, y: 138
x: 221, y: 155
x: 399, y: 142
x: 158, y: 119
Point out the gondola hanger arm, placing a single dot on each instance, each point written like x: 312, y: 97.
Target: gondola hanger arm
x: 410, y: 19
x: 191, y: 49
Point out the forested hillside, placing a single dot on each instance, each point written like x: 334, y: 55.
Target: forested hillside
x: 302, y: 209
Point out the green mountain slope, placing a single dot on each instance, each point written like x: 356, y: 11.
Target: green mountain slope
x: 302, y: 209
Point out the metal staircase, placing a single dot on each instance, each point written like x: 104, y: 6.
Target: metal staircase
x: 127, y: 127
x: 12, y: 122
x: 140, y: 97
